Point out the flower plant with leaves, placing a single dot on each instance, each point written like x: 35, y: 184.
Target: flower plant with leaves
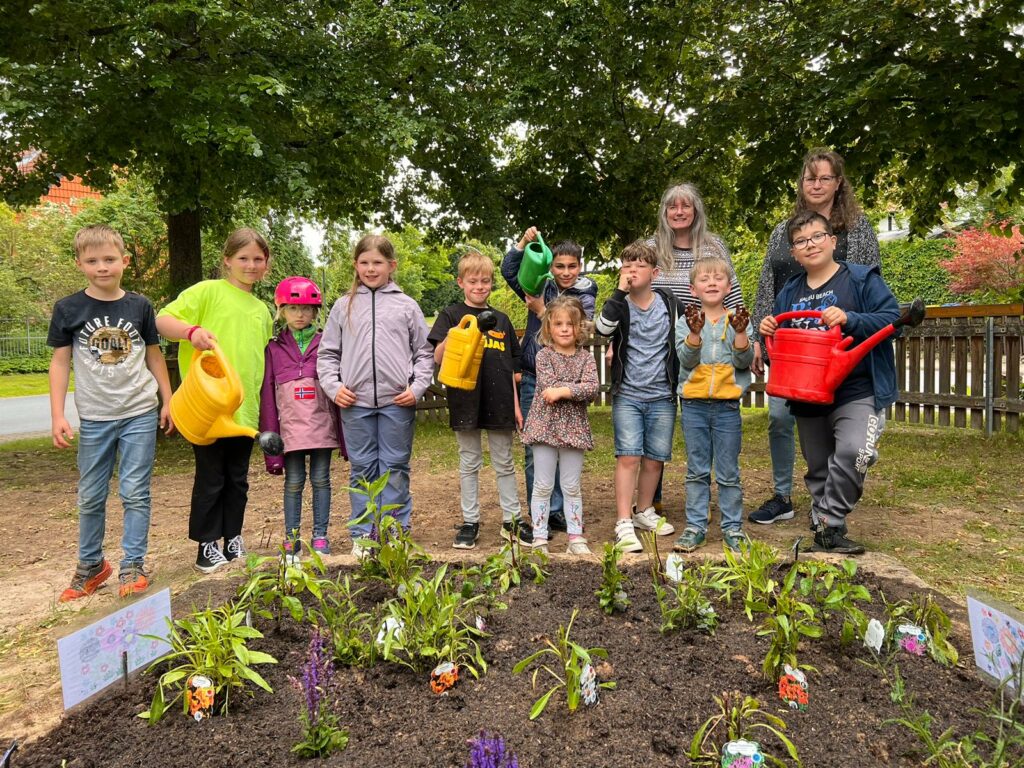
x: 321, y: 731
x: 834, y: 594
x: 738, y: 717
x: 212, y: 643
x: 787, y: 620
x: 747, y: 572
x: 393, y: 555
x: 505, y: 569
x: 569, y: 661
x: 274, y: 585
x: 923, y: 611
x: 684, y: 604
x: 350, y: 629
x: 488, y: 750
x: 612, y: 595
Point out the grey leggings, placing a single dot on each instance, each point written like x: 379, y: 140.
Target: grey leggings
x: 471, y: 459
x: 839, y: 447
x: 569, y: 463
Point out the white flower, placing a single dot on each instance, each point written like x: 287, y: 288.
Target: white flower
x: 674, y: 567
x: 874, y: 635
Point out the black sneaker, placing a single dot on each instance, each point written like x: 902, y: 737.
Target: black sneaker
x: 522, y: 529
x: 556, y: 522
x: 834, y: 540
x: 234, y: 548
x: 776, y: 508
x: 467, y: 536
x: 210, y: 557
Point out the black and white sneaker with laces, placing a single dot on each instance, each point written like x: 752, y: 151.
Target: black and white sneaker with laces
x: 522, y: 529
x: 834, y: 540
x: 210, y: 557
x: 467, y: 536
x: 234, y: 548
x: 776, y: 508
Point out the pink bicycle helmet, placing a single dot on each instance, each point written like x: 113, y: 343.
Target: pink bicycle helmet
x: 297, y: 290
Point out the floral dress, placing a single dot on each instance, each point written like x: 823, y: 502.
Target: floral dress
x: 563, y: 424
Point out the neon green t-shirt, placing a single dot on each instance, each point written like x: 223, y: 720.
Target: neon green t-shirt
x: 242, y: 325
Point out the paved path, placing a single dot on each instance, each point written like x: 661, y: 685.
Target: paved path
x: 30, y: 416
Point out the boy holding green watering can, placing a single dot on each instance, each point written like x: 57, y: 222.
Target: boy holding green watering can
x: 565, y: 279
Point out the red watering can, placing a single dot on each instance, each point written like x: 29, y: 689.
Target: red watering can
x: 808, y: 365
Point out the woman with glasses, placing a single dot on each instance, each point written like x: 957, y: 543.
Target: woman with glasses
x: 821, y: 187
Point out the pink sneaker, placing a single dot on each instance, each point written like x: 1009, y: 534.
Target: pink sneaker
x: 321, y: 545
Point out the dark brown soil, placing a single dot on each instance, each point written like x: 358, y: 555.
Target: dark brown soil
x: 665, y: 689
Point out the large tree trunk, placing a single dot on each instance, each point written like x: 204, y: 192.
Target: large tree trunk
x: 184, y: 245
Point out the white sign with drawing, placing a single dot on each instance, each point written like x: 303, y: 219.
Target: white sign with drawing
x: 91, y: 658
x: 997, y: 633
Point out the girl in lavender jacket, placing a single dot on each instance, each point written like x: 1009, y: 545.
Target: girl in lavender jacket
x: 293, y: 404
x: 375, y: 362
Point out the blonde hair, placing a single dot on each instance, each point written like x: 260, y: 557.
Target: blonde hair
x: 475, y: 263
x: 710, y: 264
x: 638, y: 250
x: 279, y: 314
x: 702, y: 242
x: 845, y: 209
x: 378, y: 243
x: 97, y: 235
x: 571, y: 306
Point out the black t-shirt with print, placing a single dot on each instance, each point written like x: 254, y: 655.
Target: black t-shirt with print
x: 839, y: 292
x: 492, y: 404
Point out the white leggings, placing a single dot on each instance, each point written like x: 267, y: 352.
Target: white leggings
x: 569, y: 464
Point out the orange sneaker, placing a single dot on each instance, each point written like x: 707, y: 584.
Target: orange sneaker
x: 133, y: 581
x: 87, y: 579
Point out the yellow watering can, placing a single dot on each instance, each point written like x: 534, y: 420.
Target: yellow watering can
x: 464, y: 350
x: 203, y: 406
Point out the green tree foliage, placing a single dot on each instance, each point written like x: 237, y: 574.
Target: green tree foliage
x: 911, y: 269
x: 37, y: 263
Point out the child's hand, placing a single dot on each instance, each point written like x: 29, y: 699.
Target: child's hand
x: 528, y: 237
x: 833, y: 316
x: 768, y: 326
x: 519, y: 418
x: 625, y: 278
x: 202, y: 339
x: 535, y: 304
x: 694, y: 318
x: 552, y: 395
x: 166, y: 422
x: 406, y: 399
x: 739, y: 319
x: 62, y: 433
x: 345, y: 397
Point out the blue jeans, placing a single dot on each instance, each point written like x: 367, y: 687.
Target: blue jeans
x: 781, y: 446
x: 644, y: 428
x: 379, y: 440
x: 713, y: 433
x: 527, y: 389
x: 295, y: 482
x: 99, y: 443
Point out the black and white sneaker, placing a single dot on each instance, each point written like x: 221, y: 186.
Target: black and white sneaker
x: 467, y: 536
x: 834, y: 540
x: 772, y: 511
x: 522, y: 530
x: 234, y: 548
x: 210, y: 557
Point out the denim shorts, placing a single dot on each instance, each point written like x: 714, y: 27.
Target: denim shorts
x: 644, y: 428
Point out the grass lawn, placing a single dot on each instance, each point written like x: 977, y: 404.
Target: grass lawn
x: 25, y: 384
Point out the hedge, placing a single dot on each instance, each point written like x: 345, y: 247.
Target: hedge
x: 911, y: 268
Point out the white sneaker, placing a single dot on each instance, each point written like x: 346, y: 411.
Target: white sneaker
x: 359, y: 552
x: 648, y: 521
x: 578, y: 547
x: 625, y: 537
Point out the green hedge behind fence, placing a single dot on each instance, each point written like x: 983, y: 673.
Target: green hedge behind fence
x: 911, y: 268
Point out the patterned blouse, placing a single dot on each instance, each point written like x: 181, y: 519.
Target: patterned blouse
x: 563, y: 424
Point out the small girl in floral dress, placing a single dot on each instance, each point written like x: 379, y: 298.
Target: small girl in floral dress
x: 557, y: 426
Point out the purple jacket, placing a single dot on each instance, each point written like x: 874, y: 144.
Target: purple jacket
x: 378, y: 349
x: 292, y: 402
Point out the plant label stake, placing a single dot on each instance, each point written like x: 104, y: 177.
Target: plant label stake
x: 199, y: 695
x: 674, y: 567
x: 5, y: 762
x: 444, y: 677
x: 124, y: 668
x: 793, y: 689
x: 912, y: 639
x: 742, y: 754
x: 588, y: 685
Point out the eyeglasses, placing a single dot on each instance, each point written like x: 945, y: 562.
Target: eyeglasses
x: 826, y: 179
x: 804, y: 242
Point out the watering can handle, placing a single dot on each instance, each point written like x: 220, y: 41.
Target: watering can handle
x: 229, y: 372
x: 769, y: 342
x: 540, y: 240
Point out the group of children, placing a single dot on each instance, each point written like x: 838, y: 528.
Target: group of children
x: 354, y: 388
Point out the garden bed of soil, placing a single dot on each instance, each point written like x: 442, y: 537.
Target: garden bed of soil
x: 665, y: 689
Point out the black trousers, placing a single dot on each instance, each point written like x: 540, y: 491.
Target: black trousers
x: 221, y: 489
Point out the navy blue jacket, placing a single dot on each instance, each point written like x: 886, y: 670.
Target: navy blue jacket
x: 583, y: 289
x: 876, y: 308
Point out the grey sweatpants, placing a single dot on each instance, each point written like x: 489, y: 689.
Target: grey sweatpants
x: 568, y: 462
x: 838, y: 449
x: 471, y: 459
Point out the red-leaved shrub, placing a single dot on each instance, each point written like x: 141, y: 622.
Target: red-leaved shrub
x: 987, y: 265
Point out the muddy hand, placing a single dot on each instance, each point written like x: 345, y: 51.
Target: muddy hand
x: 694, y: 318
x: 739, y: 319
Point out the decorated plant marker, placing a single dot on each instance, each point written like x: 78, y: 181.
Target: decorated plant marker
x: 912, y: 639
x: 793, y: 689
x: 392, y: 627
x: 444, y: 677
x: 874, y: 635
x: 742, y: 754
x: 588, y: 684
x: 199, y: 694
x: 481, y: 623
x: 674, y: 567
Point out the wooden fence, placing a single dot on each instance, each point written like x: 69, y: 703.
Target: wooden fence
x: 961, y: 367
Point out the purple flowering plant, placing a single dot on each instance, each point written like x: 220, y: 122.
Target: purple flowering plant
x: 321, y: 731
x: 488, y: 750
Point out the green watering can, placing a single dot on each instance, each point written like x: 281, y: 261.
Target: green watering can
x: 535, y: 268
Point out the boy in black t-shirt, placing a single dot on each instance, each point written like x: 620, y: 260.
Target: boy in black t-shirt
x: 493, y: 405
x: 122, y: 394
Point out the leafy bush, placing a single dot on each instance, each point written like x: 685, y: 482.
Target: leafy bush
x: 685, y: 605
x: 912, y: 268
x: 987, y: 264
x: 271, y: 592
x: 612, y: 595
x: 738, y: 717
x: 32, y: 364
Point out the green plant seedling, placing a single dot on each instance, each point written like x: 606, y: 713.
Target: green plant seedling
x: 567, y: 668
x: 787, y: 620
x: 393, y: 555
x: 612, y: 595
x: 505, y: 569
x: 923, y: 611
x: 747, y: 572
x: 684, y: 604
x: 834, y: 594
x: 212, y: 643
x: 738, y: 717
x: 274, y: 585
x: 350, y: 629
